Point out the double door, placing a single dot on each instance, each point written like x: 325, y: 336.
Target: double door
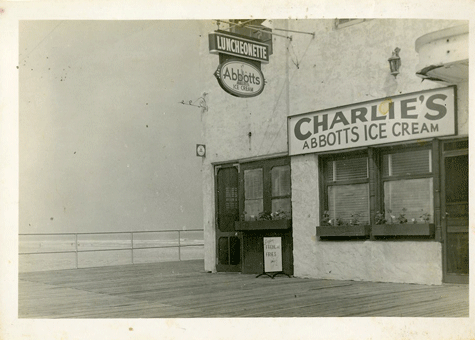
x: 250, y: 193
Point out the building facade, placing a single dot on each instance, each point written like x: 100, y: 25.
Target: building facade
x: 354, y: 155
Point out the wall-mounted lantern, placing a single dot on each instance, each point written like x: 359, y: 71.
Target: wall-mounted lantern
x: 395, y: 62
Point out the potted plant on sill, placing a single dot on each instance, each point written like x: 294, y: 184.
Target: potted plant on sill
x: 338, y: 228
x: 279, y: 220
x: 399, y: 226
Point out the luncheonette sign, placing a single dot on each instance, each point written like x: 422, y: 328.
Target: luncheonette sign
x: 240, y: 78
x: 405, y: 117
x: 272, y: 254
x: 238, y: 46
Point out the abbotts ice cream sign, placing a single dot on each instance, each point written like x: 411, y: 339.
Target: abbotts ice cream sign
x: 412, y: 116
x: 240, y: 78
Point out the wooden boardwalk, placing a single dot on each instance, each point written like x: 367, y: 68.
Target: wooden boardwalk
x: 185, y: 290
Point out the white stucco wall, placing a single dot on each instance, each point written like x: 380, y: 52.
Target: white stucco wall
x: 386, y: 261
x: 229, y: 120
x: 336, y: 67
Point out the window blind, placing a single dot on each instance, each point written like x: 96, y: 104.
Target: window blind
x: 345, y: 200
x: 347, y: 169
x: 407, y: 163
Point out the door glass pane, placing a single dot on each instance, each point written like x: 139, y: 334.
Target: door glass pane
x: 253, y: 194
x: 280, y: 180
x: 413, y: 195
x: 235, y: 248
x: 223, y: 250
x: 456, y: 172
x: 228, y: 203
x: 457, y: 253
x: 347, y: 200
x: 457, y: 218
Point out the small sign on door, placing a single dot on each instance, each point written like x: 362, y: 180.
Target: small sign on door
x: 272, y: 254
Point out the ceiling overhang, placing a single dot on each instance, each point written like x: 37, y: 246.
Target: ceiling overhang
x: 443, y: 55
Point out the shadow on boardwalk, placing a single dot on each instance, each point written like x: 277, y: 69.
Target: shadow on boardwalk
x: 185, y: 290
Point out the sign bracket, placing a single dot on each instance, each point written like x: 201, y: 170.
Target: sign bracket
x: 252, y: 28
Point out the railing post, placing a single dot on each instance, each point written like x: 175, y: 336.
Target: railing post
x: 179, y: 246
x: 132, y: 246
x: 77, y: 257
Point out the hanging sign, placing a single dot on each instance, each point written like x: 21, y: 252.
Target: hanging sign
x: 226, y: 43
x: 413, y: 116
x: 272, y: 254
x: 240, y: 78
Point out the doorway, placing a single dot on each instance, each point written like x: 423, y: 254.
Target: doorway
x: 228, y: 240
x: 454, y: 212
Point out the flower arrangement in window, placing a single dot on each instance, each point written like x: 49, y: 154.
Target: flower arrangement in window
x: 380, y: 218
x: 278, y: 215
x: 425, y: 217
x: 279, y: 220
x: 267, y: 216
x: 338, y: 222
x: 351, y: 228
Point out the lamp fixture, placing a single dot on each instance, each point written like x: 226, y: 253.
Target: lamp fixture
x: 395, y: 62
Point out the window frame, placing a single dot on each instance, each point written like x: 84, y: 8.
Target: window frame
x: 350, y: 22
x: 403, y: 149
x: 376, y: 179
x: 267, y: 165
x: 324, y: 189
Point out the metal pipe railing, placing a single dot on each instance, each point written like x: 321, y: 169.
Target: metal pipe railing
x: 130, y: 247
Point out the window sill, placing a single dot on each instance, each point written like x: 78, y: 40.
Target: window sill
x: 344, y: 231
x: 379, y: 231
x: 263, y: 225
x: 406, y: 229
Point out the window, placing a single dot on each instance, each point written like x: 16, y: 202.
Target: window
x: 408, y: 185
x: 399, y: 186
x: 280, y: 177
x: 341, y: 23
x: 266, y: 188
x: 347, y: 188
x: 253, y: 193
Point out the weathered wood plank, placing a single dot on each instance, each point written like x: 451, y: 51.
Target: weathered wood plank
x: 183, y: 289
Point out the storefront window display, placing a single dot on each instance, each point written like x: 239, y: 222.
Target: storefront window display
x: 378, y: 186
x: 408, y: 186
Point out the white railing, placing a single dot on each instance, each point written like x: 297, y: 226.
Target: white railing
x: 44, y: 251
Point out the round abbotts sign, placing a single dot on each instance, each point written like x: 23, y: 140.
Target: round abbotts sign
x: 240, y: 79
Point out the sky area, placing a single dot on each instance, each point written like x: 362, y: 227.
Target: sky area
x: 105, y: 144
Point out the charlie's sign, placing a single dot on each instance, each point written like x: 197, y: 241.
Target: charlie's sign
x: 240, y: 79
x: 236, y: 46
x: 406, y: 117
